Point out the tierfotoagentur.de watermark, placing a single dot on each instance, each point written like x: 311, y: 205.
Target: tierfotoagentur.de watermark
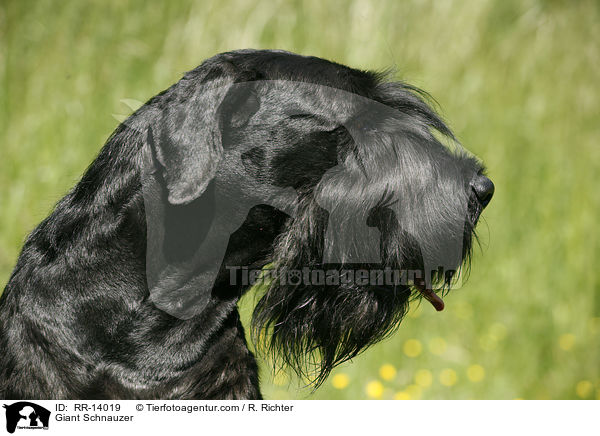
x: 245, y: 276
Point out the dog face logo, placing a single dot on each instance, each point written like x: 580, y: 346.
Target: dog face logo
x: 26, y: 415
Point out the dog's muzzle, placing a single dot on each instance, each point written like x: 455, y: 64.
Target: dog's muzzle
x: 482, y: 192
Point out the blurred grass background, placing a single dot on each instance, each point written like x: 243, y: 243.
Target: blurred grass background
x: 519, y: 82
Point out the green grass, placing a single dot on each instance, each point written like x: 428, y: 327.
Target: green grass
x: 517, y: 80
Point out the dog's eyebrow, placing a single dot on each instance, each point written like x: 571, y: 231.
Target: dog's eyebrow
x: 304, y: 115
x: 294, y: 111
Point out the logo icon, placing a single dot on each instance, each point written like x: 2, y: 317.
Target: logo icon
x: 26, y: 415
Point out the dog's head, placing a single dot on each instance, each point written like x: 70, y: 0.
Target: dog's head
x: 348, y: 184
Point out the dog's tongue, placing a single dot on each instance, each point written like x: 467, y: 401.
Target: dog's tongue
x: 431, y: 296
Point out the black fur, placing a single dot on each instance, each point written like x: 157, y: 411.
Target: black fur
x: 107, y: 299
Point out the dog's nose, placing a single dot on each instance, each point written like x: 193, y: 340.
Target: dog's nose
x: 483, y: 188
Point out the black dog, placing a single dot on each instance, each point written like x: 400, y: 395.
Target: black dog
x: 335, y: 177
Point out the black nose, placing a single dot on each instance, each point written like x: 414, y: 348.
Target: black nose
x: 483, y: 188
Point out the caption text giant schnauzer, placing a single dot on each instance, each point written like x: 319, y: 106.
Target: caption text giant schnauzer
x: 340, y: 193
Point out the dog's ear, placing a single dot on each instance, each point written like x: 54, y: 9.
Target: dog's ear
x: 186, y: 140
x: 186, y: 234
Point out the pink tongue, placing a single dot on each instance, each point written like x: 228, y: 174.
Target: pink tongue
x: 432, y: 297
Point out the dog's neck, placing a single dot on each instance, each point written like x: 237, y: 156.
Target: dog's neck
x: 126, y: 346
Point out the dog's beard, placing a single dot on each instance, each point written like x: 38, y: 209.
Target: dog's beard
x: 313, y: 327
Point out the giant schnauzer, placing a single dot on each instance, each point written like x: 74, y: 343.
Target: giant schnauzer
x: 339, y: 193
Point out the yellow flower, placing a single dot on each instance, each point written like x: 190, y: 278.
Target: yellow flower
x: 448, y: 377
x: 412, y: 348
x: 475, y: 373
x: 584, y: 388
x: 387, y: 372
x: 414, y: 391
x: 566, y: 341
x: 340, y: 381
x: 437, y: 346
x: 374, y: 389
x: 402, y: 396
x: 423, y: 378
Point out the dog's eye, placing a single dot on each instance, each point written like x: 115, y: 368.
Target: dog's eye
x: 300, y: 116
x: 297, y: 113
